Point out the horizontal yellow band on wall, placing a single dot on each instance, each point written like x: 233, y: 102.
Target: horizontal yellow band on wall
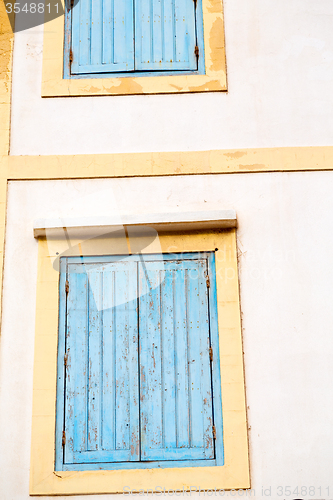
x: 167, y: 163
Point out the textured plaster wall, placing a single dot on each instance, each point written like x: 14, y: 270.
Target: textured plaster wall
x: 285, y: 237
x: 280, y: 76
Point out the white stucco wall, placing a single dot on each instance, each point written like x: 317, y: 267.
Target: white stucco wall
x: 280, y: 76
x: 285, y: 240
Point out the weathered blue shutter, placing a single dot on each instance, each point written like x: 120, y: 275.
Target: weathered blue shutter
x: 165, y: 35
x: 102, y: 36
x: 101, y: 385
x: 175, y: 372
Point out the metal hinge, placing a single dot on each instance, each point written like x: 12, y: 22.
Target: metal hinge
x: 211, y: 353
x: 65, y: 359
x: 207, y: 280
x: 196, y: 50
x: 214, y: 432
x: 70, y: 55
x: 63, y: 438
x: 67, y: 286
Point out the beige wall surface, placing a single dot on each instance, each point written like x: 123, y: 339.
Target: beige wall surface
x: 284, y: 239
x: 279, y: 69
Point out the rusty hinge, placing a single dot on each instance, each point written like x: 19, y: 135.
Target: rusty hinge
x: 196, y: 51
x: 211, y: 353
x: 207, y: 280
x: 214, y: 432
x: 63, y: 438
x: 195, y: 3
x: 70, y: 55
x: 65, y: 359
x: 67, y: 286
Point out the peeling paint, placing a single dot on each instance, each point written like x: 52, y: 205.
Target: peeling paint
x: 216, y: 41
x: 212, y: 85
x: 237, y: 154
x: 126, y: 86
x: 214, y: 6
x: 177, y: 87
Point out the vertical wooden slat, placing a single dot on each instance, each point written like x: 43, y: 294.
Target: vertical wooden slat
x: 123, y: 28
x: 77, y: 365
x: 206, y: 395
x: 123, y: 382
x: 142, y: 10
x: 109, y: 365
x: 200, y: 373
x: 157, y: 25
x: 107, y: 32
x: 80, y: 288
x: 81, y: 26
x: 97, y: 32
x: 195, y: 357
x: 169, y: 31
x: 181, y: 355
x: 95, y: 361
x: 216, y: 379
x: 150, y: 359
x: 184, y: 23
x: 61, y: 372
x: 168, y: 350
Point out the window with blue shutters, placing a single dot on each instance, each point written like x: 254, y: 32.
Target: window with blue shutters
x: 111, y: 38
x: 138, y: 363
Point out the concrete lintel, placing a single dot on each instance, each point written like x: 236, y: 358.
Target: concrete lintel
x: 98, y: 226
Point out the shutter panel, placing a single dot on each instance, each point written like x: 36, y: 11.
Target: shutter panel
x: 101, y: 393
x: 102, y: 36
x: 175, y: 378
x: 165, y: 35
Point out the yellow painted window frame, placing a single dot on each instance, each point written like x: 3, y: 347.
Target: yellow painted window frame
x: 235, y: 473
x: 214, y: 79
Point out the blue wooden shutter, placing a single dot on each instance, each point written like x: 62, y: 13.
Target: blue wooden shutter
x: 102, y: 36
x: 175, y: 372
x: 165, y: 35
x: 101, y: 385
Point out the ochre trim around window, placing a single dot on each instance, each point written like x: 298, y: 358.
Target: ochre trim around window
x: 214, y: 79
x: 234, y: 474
